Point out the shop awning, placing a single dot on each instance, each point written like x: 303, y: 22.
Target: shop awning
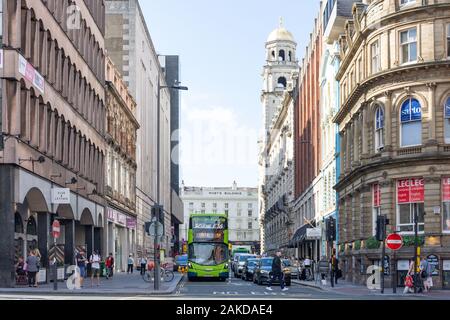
x: 300, y: 235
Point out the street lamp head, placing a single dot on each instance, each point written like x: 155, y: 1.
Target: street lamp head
x: 180, y: 88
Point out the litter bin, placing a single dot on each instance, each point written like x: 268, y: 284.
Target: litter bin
x: 102, y: 269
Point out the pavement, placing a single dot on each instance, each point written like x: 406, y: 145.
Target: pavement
x: 350, y: 289
x: 121, y: 284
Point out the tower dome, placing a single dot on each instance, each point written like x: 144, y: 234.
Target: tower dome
x: 280, y: 34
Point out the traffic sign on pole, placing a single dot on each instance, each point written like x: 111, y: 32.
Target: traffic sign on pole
x: 56, y: 229
x: 394, y: 242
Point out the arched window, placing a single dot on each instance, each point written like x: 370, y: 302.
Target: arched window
x: 447, y: 120
x: 290, y: 56
x: 31, y: 227
x: 18, y: 225
x: 379, y: 129
x: 282, y: 82
x: 282, y: 55
x: 411, y: 123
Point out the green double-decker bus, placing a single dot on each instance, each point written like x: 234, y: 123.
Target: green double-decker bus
x: 208, y: 253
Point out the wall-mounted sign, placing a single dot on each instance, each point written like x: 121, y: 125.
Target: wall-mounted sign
x: 121, y: 219
x: 376, y: 195
x: 446, y: 189
x: 314, y: 233
x: 1, y: 59
x: 29, y: 73
x: 434, y: 261
x: 131, y: 223
x: 61, y: 196
x: 410, y: 190
x: 403, y: 265
x: 446, y: 265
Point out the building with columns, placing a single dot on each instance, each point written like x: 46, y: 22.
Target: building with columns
x: 277, y: 147
x: 52, y: 147
x: 394, y: 134
x: 120, y: 175
x: 239, y: 203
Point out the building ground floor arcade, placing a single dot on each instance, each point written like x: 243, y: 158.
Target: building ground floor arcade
x: 26, y: 217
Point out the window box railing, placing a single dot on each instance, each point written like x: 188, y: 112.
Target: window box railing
x: 409, y: 151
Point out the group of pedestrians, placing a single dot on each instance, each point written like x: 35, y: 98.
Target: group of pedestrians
x: 94, y: 260
x: 29, y: 268
x: 421, y: 281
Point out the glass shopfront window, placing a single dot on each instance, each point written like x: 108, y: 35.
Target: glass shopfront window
x: 446, y: 204
x: 410, y: 202
x: 446, y: 274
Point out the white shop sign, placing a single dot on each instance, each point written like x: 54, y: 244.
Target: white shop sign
x: 61, y: 273
x: 446, y: 266
x: 403, y: 265
x: 61, y: 196
x: 313, y: 233
x: 42, y: 276
x: 1, y: 59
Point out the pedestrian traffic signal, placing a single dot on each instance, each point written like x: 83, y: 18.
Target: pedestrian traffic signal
x: 381, y: 228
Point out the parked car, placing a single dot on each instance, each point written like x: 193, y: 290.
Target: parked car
x: 249, y: 269
x: 263, y: 272
x: 180, y: 261
x: 293, y: 268
x: 239, y: 266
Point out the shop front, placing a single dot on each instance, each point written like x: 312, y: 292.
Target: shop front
x: 121, y: 237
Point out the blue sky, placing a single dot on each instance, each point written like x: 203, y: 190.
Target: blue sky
x: 221, y: 48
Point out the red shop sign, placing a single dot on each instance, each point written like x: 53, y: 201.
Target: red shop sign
x: 410, y: 190
x: 446, y: 189
x: 376, y: 195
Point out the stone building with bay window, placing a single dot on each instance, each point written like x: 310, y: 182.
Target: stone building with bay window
x: 394, y: 126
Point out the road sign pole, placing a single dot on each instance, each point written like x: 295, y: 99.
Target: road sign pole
x: 156, y: 282
x: 383, y: 253
x: 55, y: 267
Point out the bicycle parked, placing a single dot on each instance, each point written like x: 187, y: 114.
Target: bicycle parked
x: 165, y: 274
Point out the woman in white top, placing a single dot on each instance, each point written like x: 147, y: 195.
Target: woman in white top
x: 95, y: 267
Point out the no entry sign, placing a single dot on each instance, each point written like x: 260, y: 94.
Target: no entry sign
x: 56, y: 229
x: 394, y: 241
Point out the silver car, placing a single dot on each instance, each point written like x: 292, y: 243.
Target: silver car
x: 239, y: 266
x: 293, y: 267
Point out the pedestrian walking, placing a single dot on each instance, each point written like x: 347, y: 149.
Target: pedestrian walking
x: 426, y: 272
x: 335, y: 272
x: 81, y: 264
x: 143, y: 263
x: 95, y: 267
x: 130, y: 264
x: 409, y: 279
x: 38, y: 255
x: 109, y: 264
x: 277, y: 273
x: 32, y: 269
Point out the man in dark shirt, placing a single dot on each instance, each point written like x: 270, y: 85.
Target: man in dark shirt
x: 277, y: 273
x: 81, y: 263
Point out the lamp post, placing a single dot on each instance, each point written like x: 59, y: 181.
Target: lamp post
x: 160, y: 210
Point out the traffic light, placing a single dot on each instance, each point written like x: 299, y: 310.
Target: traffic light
x: 381, y: 228
x: 158, y: 213
x: 147, y: 227
x: 331, y: 230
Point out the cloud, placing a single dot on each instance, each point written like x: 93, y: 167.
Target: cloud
x: 214, y: 142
